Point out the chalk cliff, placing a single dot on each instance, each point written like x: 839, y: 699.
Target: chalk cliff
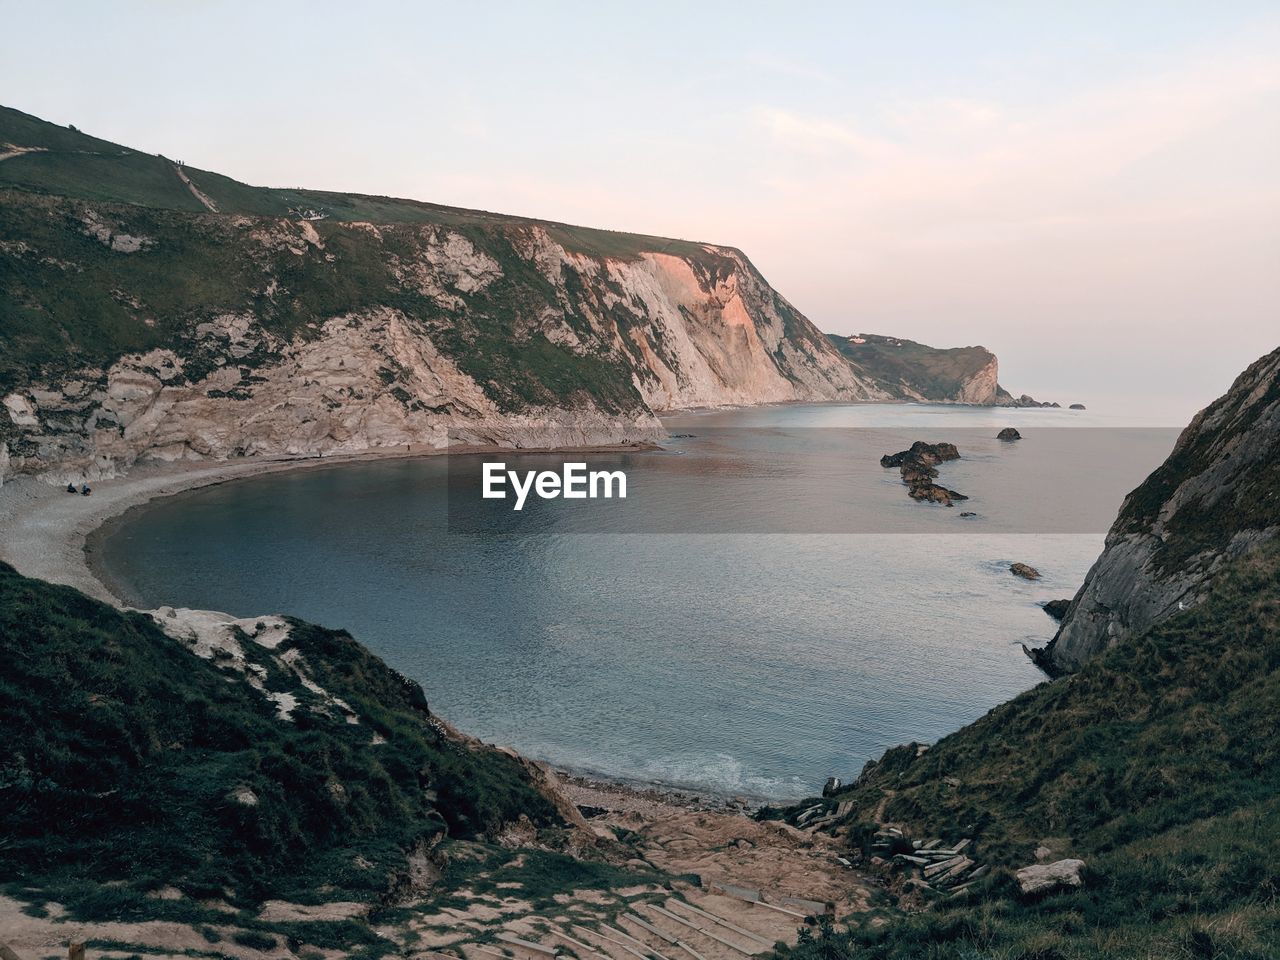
x: 151, y: 310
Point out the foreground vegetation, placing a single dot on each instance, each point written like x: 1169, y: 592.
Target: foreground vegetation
x: 1158, y: 764
x: 129, y: 762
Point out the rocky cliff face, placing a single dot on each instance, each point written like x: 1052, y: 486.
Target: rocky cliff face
x: 159, y: 334
x: 1216, y: 495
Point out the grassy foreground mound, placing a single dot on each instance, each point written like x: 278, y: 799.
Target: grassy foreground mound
x: 1158, y: 764
x: 130, y: 765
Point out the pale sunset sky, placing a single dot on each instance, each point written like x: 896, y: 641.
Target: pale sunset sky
x: 1091, y: 190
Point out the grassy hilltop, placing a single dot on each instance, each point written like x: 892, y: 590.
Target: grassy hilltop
x: 69, y: 163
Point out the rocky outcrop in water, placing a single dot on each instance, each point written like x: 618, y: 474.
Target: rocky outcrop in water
x: 917, y: 466
x: 1009, y: 433
x: 1056, y: 608
x: 922, y: 455
x: 1217, y: 495
x: 1024, y: 570
x: 1005, y: 399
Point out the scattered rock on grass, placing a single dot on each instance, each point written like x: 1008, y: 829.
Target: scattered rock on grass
x: 1047, y: 877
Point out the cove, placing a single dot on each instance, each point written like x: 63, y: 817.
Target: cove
x: 731, y: 662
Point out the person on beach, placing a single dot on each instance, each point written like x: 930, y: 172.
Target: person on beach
x: 71, y: 488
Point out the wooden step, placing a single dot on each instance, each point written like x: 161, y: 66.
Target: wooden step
x: 538, y: 949
x: 702, y: 929
x: 719, y: 921
x: 663, y: 935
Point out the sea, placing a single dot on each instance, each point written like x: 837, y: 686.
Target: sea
x: 766, y: 607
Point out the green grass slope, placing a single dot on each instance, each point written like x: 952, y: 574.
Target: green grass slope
x: 1158, y: 764
x: 68, y: 163
x: 70, y: 301
x: 123, y: 754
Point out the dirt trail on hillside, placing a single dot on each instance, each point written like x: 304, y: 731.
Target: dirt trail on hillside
x: 195, y: 191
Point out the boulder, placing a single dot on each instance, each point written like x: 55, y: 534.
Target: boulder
x: 1041, y: 878
x: 1009, y: 433
x: 832, y: 786
x: 1056, y: 608
x: 1025, y: 571
x: 1076, y: 406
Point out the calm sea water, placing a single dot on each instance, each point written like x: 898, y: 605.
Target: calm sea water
x: 727, y: 653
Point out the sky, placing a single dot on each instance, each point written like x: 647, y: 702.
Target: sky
x: 1091, y: 190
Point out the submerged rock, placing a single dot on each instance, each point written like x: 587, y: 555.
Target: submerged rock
x: 1056, y: 608
x: 934, y: 493
x: 1009, y: 433
x: 1025, y: 571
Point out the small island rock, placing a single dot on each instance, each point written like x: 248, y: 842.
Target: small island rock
x: 1009, y: 433
x: 1076, y: 406
x: 1025, y: 571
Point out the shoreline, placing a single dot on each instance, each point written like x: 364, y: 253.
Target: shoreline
x: 48, y: 533
x: 621, y: 795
